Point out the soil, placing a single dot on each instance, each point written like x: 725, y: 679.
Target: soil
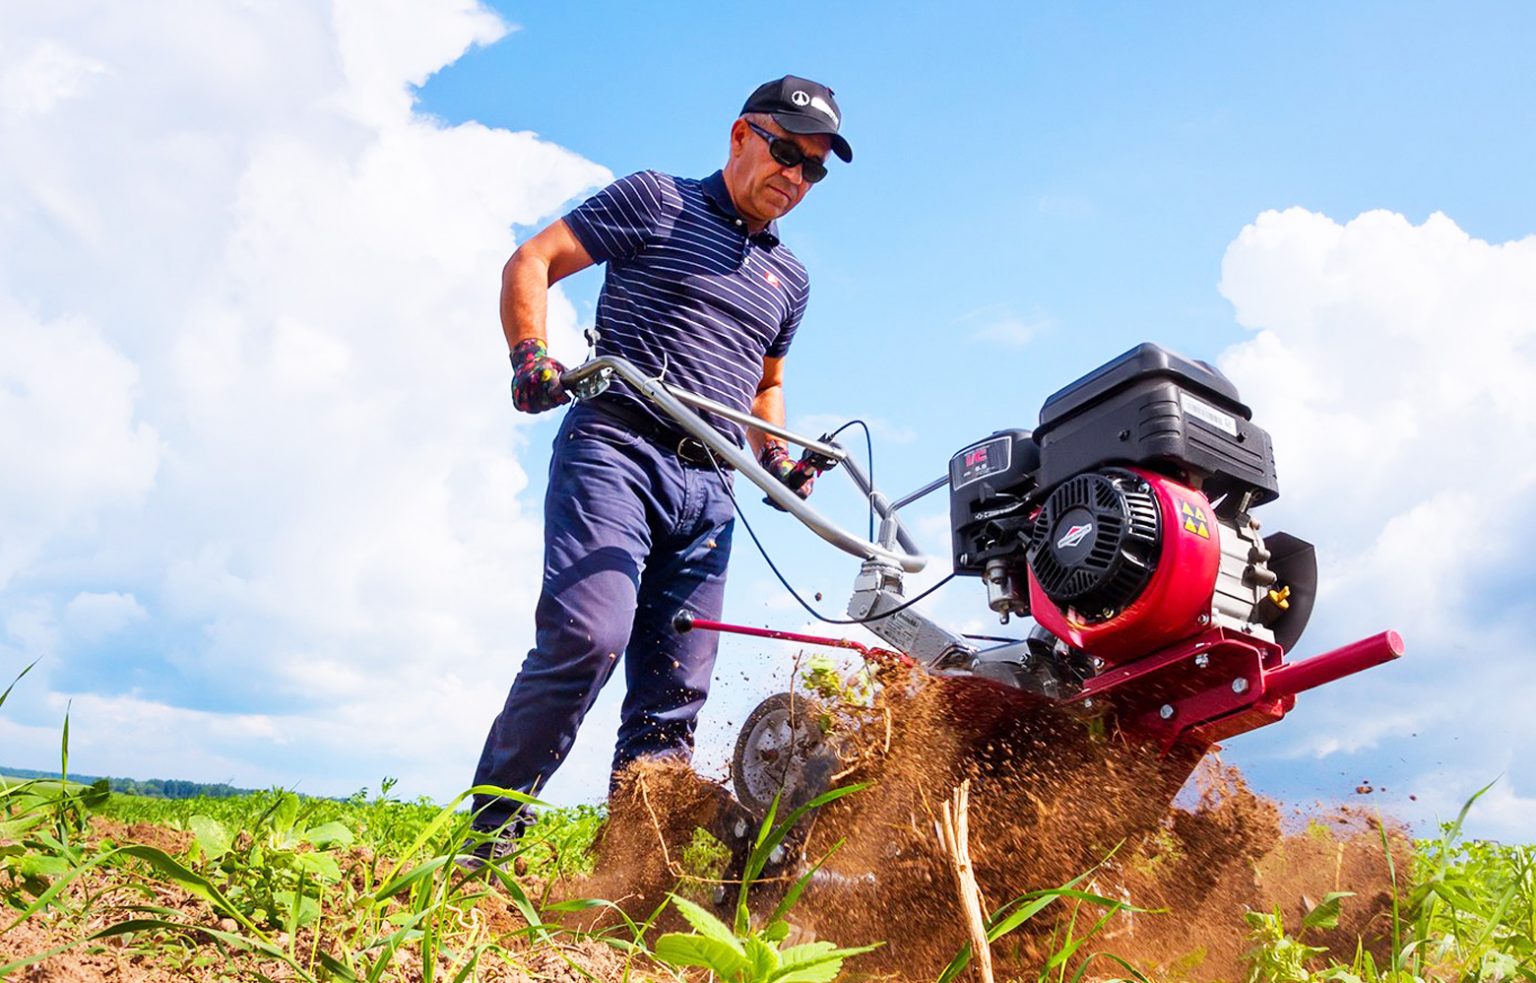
x: 1047, y: 808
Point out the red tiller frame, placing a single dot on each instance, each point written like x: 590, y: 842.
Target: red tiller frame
x: 869, y: 652
x: 1298, y: 677
x: 1220, y: 684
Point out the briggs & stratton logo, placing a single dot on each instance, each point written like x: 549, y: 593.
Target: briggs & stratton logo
x: 1074, y: 536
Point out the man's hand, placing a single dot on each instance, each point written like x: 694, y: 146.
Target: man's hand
x: 797, y: 476
x: 536, y: 378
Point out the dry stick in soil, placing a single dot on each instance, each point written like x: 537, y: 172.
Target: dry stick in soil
x: 954, y: 836
x: 661, y: 838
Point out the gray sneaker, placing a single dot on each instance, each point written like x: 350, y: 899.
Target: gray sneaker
x: 494, y: 847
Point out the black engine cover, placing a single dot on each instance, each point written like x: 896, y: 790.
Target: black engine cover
x: 1095, y: 543
x: 1155, y: 409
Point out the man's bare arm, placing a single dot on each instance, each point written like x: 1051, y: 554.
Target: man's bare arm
x: 547, y: 258
x: 768, y: 403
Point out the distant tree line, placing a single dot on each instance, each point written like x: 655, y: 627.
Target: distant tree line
x: 154, y: 788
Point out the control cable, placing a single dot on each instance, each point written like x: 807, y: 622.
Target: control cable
x: 736, y: 503
x: 869, y: 452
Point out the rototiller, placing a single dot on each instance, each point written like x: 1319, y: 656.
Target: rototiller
x: 1122, y: 525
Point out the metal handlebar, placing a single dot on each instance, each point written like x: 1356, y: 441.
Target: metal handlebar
x: 593, y: 376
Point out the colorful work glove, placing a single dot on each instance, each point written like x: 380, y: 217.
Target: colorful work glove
x: 536, y: 378
x: 797, y: 476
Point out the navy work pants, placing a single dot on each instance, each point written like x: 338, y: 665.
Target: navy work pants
x: 632, y: 535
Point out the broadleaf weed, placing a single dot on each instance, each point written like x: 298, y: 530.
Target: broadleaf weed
x: 738, y: 953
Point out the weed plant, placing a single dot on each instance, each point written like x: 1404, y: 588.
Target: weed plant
x: 742, y: 952
x: 369, y: 889
x: 310, y: 889
x: 1467, y: 911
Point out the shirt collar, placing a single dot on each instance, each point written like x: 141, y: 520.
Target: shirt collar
x: 715, y: 190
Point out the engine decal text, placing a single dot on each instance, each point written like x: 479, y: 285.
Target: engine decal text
x: 980, y: 461
x: 1206, y: 413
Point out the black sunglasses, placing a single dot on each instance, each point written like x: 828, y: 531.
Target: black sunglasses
x: 788, y: 153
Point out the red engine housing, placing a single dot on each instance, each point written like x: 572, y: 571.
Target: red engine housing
x: 1176, y: 602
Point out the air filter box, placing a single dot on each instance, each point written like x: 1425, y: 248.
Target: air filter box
x: 1156, y: 409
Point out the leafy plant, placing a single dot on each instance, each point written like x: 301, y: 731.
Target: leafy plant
x: 277, y: 870
x: 41, y: 821
x: 1473, y: 908
x: 1470, y: 916
x: 704, y: 861
x: 560, y: 842
x: 739, y: 953
x: 823, y: 678
x: 1278, y: 957
x: 750, y: 957
x: 288, y: 876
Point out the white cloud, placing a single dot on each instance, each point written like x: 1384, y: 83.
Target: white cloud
x: 92, y: 616
x: 1011, y: 332
x: 70, y: 433
x: 1395, y: 366
x: 253, y: 389
x: 1500, y: 813
x: 45, y: 76
x: 997, y: 324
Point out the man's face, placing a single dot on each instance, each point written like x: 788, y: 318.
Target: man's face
x: 762, y: 188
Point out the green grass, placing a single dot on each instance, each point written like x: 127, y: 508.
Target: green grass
x: 276, y: 885
x: 1466, y: 911
x: 559, y: 843
x: 271, y: 883
x: 326, y: 890
x: 339, y: 890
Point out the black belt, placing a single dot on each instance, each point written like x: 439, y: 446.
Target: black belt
x: 689, y: 449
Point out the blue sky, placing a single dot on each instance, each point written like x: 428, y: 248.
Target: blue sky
x: 275, y: 521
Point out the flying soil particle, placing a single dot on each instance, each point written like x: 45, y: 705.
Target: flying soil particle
x: 1046, y: 806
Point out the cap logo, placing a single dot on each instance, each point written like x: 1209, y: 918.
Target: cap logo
x: 800, y: 98
x: 821, y: 105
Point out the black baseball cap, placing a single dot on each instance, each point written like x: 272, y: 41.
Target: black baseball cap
x: 801, y: 106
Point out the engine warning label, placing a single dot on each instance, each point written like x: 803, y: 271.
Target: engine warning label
x: 974, y: 463
x: 1194, y: 520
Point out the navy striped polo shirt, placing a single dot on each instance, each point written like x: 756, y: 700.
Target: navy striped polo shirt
x: 688, y: 287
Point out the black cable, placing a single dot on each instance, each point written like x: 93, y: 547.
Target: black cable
x: 736, y: 503
x: 869, y: 450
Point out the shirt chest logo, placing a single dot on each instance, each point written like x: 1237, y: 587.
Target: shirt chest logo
x: 772, y: 278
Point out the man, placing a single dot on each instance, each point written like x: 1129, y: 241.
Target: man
x: 637, y: 518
